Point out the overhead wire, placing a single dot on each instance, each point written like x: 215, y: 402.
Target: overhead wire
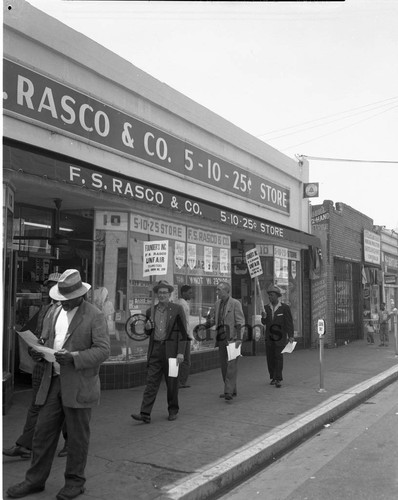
x: 375, y: 105
x: 337, y: 130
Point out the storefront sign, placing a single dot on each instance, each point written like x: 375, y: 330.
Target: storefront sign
x: 371, y: 246
x: 155, y: 258
x: 390, y: 262
x: 34, y: 97
x: 390, y: 279
x: 31, y: 163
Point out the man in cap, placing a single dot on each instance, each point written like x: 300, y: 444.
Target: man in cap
x: 279, y: 329
x: 70, y: 387
x: 39, y: 325
x: 166, y: 327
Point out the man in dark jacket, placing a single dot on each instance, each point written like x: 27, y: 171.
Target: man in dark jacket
x: 166, y: 327
x: 279, y: 329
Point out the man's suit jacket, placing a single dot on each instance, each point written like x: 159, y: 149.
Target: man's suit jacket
x: 233, y: 321
x: 280, y: 327
x: 88, y: 340
x: 176, y: 332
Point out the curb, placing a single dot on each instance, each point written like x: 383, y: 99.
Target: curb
x: 243, y: 461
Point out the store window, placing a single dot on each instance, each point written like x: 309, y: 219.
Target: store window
x: 343, y: 292
x: 195, y: 256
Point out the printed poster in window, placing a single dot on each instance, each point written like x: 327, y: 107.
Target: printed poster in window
x: 208, y: 257
x: 224, y: 260
x: 179, y: 254
x: 281, y: 271
x: 191, y: 255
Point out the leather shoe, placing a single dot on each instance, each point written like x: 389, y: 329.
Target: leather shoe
x: 17, y: 451
x: 278, y: 384
x: 234, y: 394
x: 141, y: 418
x: 68, y: 492
x: 63, y: 452
x: 272, y: 382
x: 228, y: 397
x: 23, y: 489
x: 172, y: 416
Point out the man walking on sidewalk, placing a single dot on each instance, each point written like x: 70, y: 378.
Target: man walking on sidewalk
x: 279, y: 329
x: 227, y: 315
x: 168, y: 338
x: 383, y: 321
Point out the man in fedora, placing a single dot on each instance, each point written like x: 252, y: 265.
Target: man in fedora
x: 166, y: 327
x: 279, y: 329
x: 70, y: 387
x: 228, y: 318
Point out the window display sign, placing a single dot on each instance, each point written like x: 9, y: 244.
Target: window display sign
x: 155, y: 257
x: 157, y: 227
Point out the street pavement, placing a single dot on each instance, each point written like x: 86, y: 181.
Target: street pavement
x: 213, y: 443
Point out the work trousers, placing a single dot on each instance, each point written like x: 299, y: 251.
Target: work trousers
x: 384, y: 334
x: 274, y: 360
x: 45, y: 439
x: 229, y: 371
x: 158, y: 366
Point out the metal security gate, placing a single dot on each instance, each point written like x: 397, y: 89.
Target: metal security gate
x: 347, y: 301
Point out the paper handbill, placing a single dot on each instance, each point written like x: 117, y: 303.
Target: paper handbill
x: 32, y: 341
x: 173, y: 367
x: 233, y: 351
x: 289, y: 348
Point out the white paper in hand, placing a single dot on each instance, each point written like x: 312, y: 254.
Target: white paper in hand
x: 173, y: 367
x: 32, y: 341
x: 289, y: 348
x: 233, y: 352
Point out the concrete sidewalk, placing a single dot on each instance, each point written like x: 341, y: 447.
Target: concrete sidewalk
x: 212, y: 443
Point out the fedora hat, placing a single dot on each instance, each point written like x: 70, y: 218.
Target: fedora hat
x: 162, y: 284
x: 274, y: 289
x: 53, y: 277
x: 69, y: 286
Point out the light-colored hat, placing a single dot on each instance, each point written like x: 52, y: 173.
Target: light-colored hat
x: 69, y: 286
x: 275, y: 289
x: 54, y: 277
x: 162, y: 284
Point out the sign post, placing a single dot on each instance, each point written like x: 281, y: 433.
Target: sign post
x: 321, y: 333
x: 255, y: 270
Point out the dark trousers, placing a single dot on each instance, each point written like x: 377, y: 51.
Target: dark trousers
x: 384, y: 333
x: 45, y: 439
x: 158, y: 366
x: 274, y: 360
x: 183, y: 370
x: 26, y: 438
x: 229, y: 371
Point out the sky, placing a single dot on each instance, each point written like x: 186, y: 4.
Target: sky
x: 318, y: 79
